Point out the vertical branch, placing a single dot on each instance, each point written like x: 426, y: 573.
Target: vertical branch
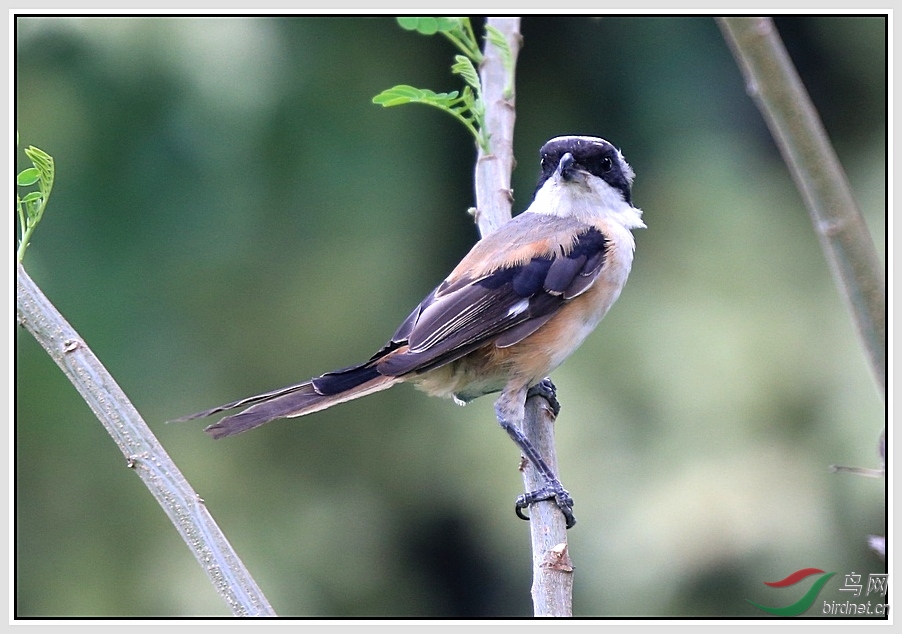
x: 552, y: 573
x: 775, y: 86
x: 492, y: 177
x: 142, y: 452
x: 552, y: 570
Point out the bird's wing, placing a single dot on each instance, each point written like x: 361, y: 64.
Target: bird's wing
x: 504, y: 305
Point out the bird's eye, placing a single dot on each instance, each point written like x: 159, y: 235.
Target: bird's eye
x: 607, y: 164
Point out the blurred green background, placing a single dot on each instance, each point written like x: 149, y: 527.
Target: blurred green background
x: 232, y: 214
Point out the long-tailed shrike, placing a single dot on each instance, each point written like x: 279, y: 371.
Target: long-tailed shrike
x: 518, y: 304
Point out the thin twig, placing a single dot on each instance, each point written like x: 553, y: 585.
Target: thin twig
x: 142, y: 451
x: 775, y: 86
x: 552, y: 571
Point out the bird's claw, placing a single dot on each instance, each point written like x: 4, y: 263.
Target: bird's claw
x: 545, y: 388
x: 552, y: 492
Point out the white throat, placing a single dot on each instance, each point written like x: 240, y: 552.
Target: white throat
x: 588, y: 201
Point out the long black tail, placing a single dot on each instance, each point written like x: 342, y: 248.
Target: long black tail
x: 296, y: 400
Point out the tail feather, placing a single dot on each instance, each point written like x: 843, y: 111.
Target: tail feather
x: 298, y: 402
x: 310, y: 396
x: 250, y: 400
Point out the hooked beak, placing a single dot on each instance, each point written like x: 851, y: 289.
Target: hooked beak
x: 566, y: 169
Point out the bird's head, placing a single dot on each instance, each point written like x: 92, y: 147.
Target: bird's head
x: 584, y: 175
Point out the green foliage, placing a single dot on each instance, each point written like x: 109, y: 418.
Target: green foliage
x: 464, y: 67
x: 30, y: 207
x: 467, y: 105
x: 458, y: 30
x: 462, y: 106
x: 496, y: 39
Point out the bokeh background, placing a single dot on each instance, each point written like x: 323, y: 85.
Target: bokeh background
x: 232, y: 214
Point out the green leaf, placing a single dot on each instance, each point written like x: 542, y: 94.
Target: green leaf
x: 430, y: 25
x: 28, y: 177
x: 401, y: 94
x: 408, y: 24
x: 450, y: 24
x: 478, y: 109
x: 496, y: 38
x: 44, y: 163
x: 464, y: 67
x: 32, y: 197
x: 31, y: 208
x: 426, y: 26
x: 467, y: 98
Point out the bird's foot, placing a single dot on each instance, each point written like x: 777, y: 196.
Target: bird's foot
x: 545, y: 388
x: 552, y: 491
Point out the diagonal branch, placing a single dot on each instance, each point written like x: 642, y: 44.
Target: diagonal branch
x: 775, y: 86
x: 142, y: 451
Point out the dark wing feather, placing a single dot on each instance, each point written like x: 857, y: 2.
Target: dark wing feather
x: 575, y: 273
x: 506, y: 306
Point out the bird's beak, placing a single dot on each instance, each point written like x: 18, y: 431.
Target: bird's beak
x: 566, y: 169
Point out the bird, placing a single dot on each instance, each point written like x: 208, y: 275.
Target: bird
x: 518, y: 304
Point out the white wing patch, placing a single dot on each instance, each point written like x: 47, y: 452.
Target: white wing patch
x: 518, y: 308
